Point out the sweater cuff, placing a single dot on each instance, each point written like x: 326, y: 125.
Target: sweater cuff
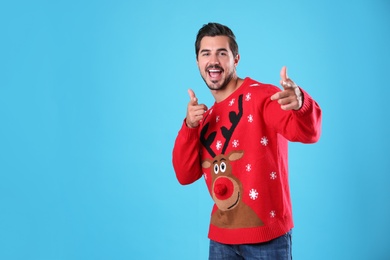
x: 188, y: 133
x: 307, y: 103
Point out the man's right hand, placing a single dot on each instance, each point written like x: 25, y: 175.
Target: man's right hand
x: 194, y: 111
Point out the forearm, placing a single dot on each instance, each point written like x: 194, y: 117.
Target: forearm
x: 185, y: 156
x: 303, y: 125
x: 308, y: 120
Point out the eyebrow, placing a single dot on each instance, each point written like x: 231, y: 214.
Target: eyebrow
x: 218, y: 50
x: 222, y: 160
x: 222, y: 49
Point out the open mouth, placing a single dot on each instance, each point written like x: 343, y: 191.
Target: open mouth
x: 215, y: 73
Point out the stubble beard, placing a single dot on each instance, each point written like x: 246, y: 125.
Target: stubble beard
x: 222, y: 86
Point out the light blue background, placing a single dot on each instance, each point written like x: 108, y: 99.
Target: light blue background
x: 92, y: 94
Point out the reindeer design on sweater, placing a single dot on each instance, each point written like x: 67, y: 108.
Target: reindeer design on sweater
x: 226, y: 189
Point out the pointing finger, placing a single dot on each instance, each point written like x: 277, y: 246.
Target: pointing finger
x: 275, y: 96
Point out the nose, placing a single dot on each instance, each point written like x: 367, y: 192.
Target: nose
x: 223, y: 188
x: 214, y: 60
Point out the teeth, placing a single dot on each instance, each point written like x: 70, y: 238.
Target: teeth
x: 214, y: 70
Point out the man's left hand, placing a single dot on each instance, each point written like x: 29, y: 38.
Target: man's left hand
x: 290, y: 98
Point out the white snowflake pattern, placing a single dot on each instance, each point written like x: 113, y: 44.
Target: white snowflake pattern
x: 231, y: 103
x: 264, y: 141
x: 254, y: 85
x: 250, y: 118
x: 248, y: 96
x: 217, y: 119
x: 253, y: 194
x: 205, y: 176
x: 218, y: 145
x: 235, y: 143
x: 211, y: 111
x: 248, y: 167
x: 273, y: 175
x: 272, y: 214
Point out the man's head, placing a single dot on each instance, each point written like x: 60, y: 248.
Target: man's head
x: 216, y: 29
x: 217, y: 56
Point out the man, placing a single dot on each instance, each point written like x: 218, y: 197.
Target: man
x: 239, y: 145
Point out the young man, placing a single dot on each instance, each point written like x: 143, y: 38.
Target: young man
x: 239, y: 146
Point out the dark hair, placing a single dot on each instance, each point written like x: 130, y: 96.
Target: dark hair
x: 216, y: 29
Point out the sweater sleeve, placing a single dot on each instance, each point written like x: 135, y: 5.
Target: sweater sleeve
x: 303, y: 125
x: 185, y: 155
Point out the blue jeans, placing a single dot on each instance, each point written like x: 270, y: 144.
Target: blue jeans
x: 276, y: 249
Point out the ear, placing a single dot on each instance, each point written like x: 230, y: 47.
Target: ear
x: 235, y: 155
x: 206, y: 164
x: 236, y: 59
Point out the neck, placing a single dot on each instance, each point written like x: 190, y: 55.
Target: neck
x: 222, y: 94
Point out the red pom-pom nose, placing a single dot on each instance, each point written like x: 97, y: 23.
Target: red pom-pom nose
x: 220, y: 189
x: 223, y: 188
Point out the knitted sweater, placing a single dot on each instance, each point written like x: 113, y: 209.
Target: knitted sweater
x: 240, y: 147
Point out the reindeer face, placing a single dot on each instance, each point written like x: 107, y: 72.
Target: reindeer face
x: 225, y: 188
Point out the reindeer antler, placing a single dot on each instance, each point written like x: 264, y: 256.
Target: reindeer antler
x: 234, y: 119
x: 227, y: 133
x: 208, y: 140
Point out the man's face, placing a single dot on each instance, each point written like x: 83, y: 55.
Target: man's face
x: 216, y: 62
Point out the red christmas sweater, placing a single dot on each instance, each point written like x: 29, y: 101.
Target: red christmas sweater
x: 240, y: 148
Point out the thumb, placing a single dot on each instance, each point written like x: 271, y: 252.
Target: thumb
x: 285, y: 81
x: 283, y: 73
x: 193, y: 98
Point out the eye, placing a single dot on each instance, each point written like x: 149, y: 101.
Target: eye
x: 223, y: 167
x: 216, y: 168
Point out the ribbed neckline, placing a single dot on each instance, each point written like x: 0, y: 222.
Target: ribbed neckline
x: 235, y: 93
